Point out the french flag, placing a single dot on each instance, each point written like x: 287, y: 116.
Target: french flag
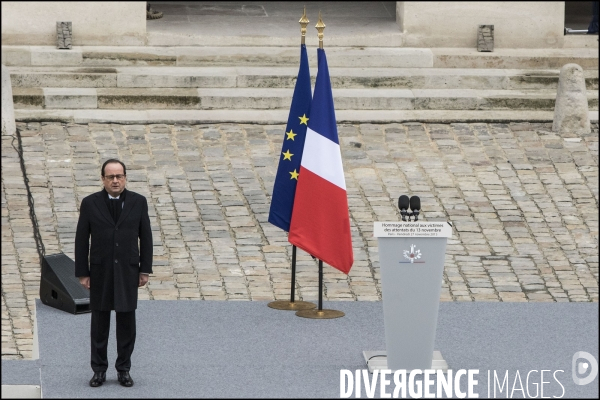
x: 320, y: 223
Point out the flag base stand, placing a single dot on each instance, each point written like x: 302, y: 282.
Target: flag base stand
x: 291, y: 305
x: 378, y: 360
x: 320, y: 314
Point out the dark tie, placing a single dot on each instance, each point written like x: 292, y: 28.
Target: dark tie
x: 114, y: 209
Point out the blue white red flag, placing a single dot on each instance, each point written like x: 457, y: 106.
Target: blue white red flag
x: 320, y: 221
x: 284, y: 189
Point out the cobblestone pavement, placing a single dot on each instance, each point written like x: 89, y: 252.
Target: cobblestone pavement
x: 523, y: 199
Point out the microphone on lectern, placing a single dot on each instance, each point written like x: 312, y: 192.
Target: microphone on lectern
x: 415, y: 206
x: 403, y: 204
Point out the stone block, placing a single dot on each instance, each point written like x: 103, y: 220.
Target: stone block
x: 8, y: 110
x: 45, y: 55
x: 380, y: 57
x: 148, y: 98
x: 70, y: 98
x: 96, y: 23
x: 51, y: 79
x: 449, y: 24
x: 373, y: 99
x: 244, y: 98
x: 571, y: 112
x: 16, y: 55
x: 485, y: 38
x: 174, y: 77
x: 117, y: 56
x: 28, y: 97
x: 63, y: 35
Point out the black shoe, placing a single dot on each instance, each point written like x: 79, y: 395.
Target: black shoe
x: 124, y: 378
x: 98, y: 379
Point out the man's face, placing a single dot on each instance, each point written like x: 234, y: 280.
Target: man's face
x: 114, y: 186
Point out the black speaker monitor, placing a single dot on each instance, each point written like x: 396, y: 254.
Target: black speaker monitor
x: 60, y: 288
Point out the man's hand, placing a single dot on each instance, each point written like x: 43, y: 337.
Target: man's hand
x: 143, y: 279
x: 85, y: 281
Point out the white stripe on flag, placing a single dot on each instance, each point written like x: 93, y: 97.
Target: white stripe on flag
x: 321, y: 156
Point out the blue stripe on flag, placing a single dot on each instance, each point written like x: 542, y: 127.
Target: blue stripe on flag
x: 284, y: 189
x: 322, y: 118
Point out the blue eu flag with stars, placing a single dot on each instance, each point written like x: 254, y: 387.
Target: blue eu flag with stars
x: 282, y: 201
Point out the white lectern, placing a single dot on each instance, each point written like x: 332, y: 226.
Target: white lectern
x: 411, y: 259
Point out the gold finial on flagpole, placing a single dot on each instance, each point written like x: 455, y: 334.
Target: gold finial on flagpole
x: 320, y: 28
x: 303, y: 22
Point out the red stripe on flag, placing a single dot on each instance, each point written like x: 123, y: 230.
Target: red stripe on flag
x: 320, y: 223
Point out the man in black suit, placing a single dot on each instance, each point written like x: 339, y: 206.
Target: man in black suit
x: 115, y: 218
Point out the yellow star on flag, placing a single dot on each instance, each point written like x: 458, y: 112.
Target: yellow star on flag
x: 294, y: 175
x: 303, y: 120
x: 287, y: 155
x: 290, y: 135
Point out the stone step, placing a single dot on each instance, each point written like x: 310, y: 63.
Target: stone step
x: 284, y: 77
x: 382, y: 57
x: 279, y: 116
x: 361, y: 31
x: 587, y: 58
x: 269, y: 99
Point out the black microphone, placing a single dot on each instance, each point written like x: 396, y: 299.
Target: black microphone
x: 415, y: 206
x: 403, y: 203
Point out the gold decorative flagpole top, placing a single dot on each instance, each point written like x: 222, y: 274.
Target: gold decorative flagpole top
x: 320, y: 28
x: 303, y: 22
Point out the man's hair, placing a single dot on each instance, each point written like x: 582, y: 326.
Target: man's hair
x: 111, y: 161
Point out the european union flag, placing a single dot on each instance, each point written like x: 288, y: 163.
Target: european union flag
x: 282, y: 201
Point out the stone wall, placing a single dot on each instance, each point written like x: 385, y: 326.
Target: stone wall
x: 94, y: 23
x: 454, y: 23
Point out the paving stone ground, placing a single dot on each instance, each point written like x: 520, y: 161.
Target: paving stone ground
x: 524, y: 202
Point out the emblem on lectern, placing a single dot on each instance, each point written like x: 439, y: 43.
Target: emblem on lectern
x: 412, y: 255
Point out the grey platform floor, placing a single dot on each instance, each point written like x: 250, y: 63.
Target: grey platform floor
x: 245, y: 349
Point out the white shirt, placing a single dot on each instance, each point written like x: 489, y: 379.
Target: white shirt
x: 117, y: 198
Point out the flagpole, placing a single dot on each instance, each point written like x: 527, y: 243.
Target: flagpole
x: 319, y: 313
x: 293, y: 274
x: 303, y: 23
x: 320, y: 28
x: 293, y: 305
x: 320, y: 285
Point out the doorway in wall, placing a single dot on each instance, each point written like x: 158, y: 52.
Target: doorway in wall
x: 579, y: 15
x: 271, y: 23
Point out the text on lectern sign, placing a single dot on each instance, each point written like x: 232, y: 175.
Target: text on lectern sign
x: 412, y: 229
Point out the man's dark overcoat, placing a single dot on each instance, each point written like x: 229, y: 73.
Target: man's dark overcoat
x: 115, y: 260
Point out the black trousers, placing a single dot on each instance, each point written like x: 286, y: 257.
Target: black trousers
x: 125, y: 339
